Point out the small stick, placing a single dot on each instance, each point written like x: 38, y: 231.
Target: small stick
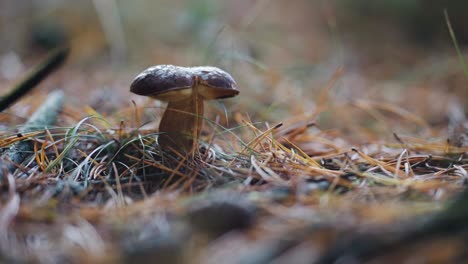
x: 35, y: 76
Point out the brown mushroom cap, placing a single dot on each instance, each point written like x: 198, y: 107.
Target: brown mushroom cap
x: 163, y: 82
x: 173, y: 83
x: 215, y: 83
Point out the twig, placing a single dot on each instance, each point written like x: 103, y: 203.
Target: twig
x: 35, y: 76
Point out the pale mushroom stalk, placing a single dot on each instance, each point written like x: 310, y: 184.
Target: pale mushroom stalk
x: 181, y: 124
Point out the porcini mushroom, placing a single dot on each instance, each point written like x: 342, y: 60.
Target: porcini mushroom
x: 185, y: 89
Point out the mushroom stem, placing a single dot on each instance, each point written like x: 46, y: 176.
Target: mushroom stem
x: 181, y: 124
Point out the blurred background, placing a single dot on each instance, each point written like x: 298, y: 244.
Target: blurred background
x: 282, y: 53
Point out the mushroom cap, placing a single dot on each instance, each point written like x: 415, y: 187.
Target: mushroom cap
x: 173, y: 83
x: 163, y: 82
x: 215, y: 83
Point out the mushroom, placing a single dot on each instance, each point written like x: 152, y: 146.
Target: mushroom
x: 185, y: 89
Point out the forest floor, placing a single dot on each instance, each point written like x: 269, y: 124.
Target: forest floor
x: 354, y: 159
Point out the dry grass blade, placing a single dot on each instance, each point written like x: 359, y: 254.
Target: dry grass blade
x: 12, y: 139
x: 43, y: 117
x: 254, y: 142
x: 396, y: 171
x: 266, y: 173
